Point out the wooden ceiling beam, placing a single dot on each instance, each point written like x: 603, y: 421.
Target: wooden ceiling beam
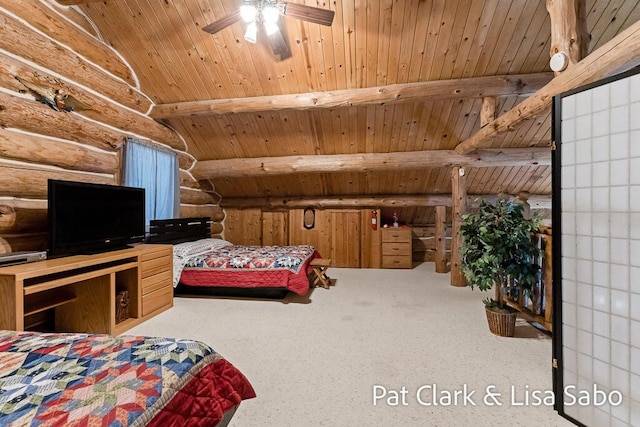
x: 380, y: 201
x: 75, y: 2
x: 620, y: 53
x: 537, y: 201
x: 368, y: 162
x: 475, y: 87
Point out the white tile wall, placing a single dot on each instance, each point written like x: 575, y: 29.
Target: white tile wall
x: 600, y: 205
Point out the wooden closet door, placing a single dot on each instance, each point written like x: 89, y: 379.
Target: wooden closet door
x: 275, y: 229
x: 345, y: 238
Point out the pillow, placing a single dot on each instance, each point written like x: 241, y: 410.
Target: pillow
x: 187, y: 249
x: 183, y: 251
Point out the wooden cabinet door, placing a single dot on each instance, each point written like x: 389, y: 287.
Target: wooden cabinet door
x: 243, y: 226
x: 275, y: 230
x: 345, y: 239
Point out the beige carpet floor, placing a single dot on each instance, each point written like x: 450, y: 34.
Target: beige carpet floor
x: 319, y: 360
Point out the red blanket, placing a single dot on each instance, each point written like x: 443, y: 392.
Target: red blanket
x: 252, y: 267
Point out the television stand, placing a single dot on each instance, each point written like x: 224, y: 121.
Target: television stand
x: 80, y: 291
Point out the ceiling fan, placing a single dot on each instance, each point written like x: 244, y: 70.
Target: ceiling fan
x: 265, y: 14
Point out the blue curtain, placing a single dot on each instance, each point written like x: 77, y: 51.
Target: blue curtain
x: 157, y: 171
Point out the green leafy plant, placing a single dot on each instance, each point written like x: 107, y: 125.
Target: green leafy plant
x: 498, y: 251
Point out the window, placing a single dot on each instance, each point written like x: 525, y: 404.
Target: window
x: 156, y: 170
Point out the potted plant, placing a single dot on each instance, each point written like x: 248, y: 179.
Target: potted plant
x: 498, y: 252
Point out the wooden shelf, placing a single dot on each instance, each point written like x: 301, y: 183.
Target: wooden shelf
x: 37, y: 305
x: 56, y: 283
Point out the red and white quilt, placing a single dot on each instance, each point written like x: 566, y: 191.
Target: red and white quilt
x: 251, y: 267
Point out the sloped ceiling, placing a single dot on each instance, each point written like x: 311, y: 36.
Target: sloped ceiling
x: 370, y: 44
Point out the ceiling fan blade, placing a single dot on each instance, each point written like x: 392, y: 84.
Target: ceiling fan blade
x: 279, y: 44
x: 222, y: 23
x: 309, y: 13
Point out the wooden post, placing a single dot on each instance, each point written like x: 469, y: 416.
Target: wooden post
x: 441, y: 239
x: 459, y: 196
x: 526, y: 207
x: 569, y: 33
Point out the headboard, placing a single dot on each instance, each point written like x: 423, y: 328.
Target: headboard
x: 179, y: 230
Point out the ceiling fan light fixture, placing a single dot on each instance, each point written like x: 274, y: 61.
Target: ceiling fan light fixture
x: 271, y: 28
x: 270, y: 14
x: 248, y: 12
x: 252, y: 32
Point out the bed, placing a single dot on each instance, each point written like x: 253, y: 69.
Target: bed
x: 204, y: 265
x: 71, y: 379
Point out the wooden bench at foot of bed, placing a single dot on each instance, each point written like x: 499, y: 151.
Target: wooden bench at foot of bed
x: 320, y: 267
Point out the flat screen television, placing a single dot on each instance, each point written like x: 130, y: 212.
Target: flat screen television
x: 91, y: 218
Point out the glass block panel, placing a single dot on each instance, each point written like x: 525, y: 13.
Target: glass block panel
x: 620, y: 303
x: 620, y: 355
x: 583, y: 129
x: 620, y: 119
x: 569, y: 135
x: 601, y: 300
x: 583, y: 103
x: 619, y: 146
x: 599, y: 149
x: 602, y: 322
x: 620, y: 329
x: 619, y: 93
x: 600, y: 208
x: 601, y: 174
x: 569, y: 107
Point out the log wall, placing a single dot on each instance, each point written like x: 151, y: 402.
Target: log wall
x: 41, y: 45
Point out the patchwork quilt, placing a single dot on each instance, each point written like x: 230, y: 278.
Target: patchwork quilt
x: 63, y: 379
x: 291, y: 258
x: 251, y: 267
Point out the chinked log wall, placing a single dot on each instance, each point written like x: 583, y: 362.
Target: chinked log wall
x: 42, y: 46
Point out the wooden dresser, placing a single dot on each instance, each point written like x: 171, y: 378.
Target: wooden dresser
x: 156, y: 262
x: 79, y: 292
x: 396, y: 247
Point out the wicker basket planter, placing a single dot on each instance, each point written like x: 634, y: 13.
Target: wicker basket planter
x: 501, y: 323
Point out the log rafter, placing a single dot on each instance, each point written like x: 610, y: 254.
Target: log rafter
x: 475, y: 87
x: 367, y: 162
x: 621, y: 52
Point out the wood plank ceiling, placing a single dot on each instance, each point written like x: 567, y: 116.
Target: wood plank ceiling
x: 371, y: 43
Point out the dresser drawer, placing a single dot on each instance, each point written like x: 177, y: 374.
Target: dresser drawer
x: 155, y: 282
x: 156, y: 265
x: 153, y: 252
x: 395, y: 248
x: 157, y: 299
x: 396, y: 261
x: 396, y: 234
